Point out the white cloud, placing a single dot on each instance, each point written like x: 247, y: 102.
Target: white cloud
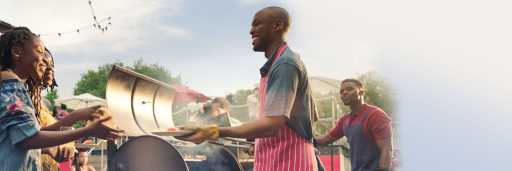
x: 174, y: 31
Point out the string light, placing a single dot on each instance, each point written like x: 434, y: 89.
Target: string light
x: 98, y: 24
x: 106, y: 21
x: 101, y: 25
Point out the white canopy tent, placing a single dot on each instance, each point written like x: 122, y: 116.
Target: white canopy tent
x: 81, y: 101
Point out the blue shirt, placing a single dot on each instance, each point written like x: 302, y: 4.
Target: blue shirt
x: 289, y: 94
x: 17, y: 123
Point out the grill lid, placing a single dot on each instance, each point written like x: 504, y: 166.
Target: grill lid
x: 139, y: 104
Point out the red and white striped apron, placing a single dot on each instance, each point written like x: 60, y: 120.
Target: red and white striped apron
x: 285, y: 152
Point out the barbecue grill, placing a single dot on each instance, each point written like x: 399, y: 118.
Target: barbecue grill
x: 141, y: 105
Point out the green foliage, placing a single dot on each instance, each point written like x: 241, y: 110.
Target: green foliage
x: 51, y: 96
x: 378, y: 92
x: 155, y: 71
x: 322, y: 127
x: 328, y: 108
x: 95, y: 81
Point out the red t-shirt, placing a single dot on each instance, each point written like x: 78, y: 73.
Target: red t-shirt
x: 377, y: 125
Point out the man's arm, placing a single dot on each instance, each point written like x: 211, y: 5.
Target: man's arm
x: 325, y: 139
x: 386, y: 148
x: 265, y: 127
x: 333, y: 134
x: 279, y: 99
x: 380, y: 127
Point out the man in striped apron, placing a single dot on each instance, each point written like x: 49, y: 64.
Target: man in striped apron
x: 367, y: 128
x: 283, y: 130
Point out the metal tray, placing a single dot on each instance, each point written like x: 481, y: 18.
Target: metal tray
x: 178, y: 133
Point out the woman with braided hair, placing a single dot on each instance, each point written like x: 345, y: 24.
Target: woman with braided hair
x: 21, y: 138
x: 35, y: 89
x: 50, y: 156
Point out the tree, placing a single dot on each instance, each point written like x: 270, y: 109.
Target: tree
x: 95, y: 81
x: 378, y: 92
x: 51, y: 95
x: 155, y: 71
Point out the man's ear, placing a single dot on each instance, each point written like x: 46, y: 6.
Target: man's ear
x: 278, y: 25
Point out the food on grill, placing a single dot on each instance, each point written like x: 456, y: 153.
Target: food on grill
x: 191, y: 157
x: 174, y: 131
x: 88, y: 141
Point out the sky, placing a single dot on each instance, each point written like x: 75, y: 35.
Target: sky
x: 445, y: 59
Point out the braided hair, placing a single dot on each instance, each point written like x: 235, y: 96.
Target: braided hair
x: 19, y: 36
x: 34, y: 90
x: 36, y: 87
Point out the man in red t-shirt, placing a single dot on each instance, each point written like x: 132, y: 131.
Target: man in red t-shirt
x: 367, y: 128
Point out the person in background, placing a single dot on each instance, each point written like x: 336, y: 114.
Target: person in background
x: 206, y: 116
x: 22, y: 56
x: 61, y: 111
x: 367, y: 128
x: 83, y: 161
x: 215, y: 112
x: 220, y: 105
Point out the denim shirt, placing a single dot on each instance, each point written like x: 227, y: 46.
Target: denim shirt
x: 17, y: 123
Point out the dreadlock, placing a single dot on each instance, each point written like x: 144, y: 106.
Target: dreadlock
x: 19, y: 36
x: 35, y: 88
x: 16, y: 36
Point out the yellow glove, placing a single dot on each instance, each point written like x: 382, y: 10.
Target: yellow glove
x: 202, y: 133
